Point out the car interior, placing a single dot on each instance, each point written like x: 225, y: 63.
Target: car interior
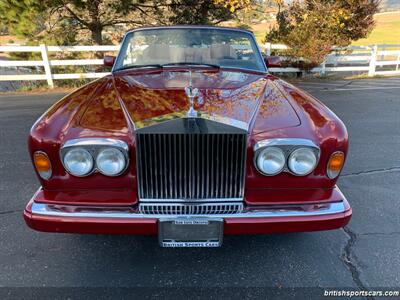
x: 219, y: 54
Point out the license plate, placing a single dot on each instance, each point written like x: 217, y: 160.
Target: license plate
x: 190, y: 232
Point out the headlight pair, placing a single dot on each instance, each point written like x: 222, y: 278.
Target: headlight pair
x: 82, y: 157
x: 297, y: 156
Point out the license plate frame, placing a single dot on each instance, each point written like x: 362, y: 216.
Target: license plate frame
x: 190, y: 232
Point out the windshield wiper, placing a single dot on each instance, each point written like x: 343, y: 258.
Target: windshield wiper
x: 191, y: 64
x: 158, y: 66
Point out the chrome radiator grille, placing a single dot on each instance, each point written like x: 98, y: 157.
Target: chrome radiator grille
x: 191, y: 209
x: 191, y: 166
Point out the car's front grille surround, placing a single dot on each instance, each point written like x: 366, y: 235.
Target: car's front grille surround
x: 192, y: 166
x: 220, y: 208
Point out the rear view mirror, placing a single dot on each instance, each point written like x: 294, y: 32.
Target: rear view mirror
x: 109, y: 60
x: 273, y: 61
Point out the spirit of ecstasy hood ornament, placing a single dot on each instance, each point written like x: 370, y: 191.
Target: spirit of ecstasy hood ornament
x: 191, y: 93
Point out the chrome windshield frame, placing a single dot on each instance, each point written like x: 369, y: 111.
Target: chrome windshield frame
x: 249, y: 33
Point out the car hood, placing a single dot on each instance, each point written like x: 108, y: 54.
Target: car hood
x: 239, y: 98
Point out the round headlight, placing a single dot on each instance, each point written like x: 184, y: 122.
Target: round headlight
x: 110, y: 162
x: 271, y: 160
x: 78, y: 162
x: 302, y: 161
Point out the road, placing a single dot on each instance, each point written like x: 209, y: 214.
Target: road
x: 364, y: 255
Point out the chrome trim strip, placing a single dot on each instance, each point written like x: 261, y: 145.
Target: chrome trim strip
x: 284, y: 142
x: 96, y: 142
x: 190, y: 200
x: 224, y: 120
x: 200, y: 115
x: 129, y: 213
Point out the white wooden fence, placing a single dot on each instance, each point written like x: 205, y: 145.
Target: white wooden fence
x: 376, y: 60
x: 47, y: 63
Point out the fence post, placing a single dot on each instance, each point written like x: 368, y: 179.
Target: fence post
x: 323, y: 68
x: 268, y: 49
x: 372, y: 62
x: 383, y: 49
x: 46, y: 64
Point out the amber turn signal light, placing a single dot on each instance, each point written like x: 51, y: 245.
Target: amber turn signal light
x: 42, y: 164
x: 335, y: 164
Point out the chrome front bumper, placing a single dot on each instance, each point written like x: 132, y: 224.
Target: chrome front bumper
x: 238, y: 217
x: 270, y: 211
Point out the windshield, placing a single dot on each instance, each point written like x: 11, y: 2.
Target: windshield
x: 209, y: 46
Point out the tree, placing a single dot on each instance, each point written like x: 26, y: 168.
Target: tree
x: 61, y: 21
x: 93, y: 16
x: 21, y: 17
x: 311, y: 27
x: 204, y: 12
x: 235, y: 5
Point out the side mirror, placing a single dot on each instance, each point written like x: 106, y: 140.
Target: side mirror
x: 109, y: 60
x: 273, y: 61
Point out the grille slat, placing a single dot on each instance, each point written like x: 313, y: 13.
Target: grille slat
x: 191, y: 166
x: 212, y: 155
x: 175, y: 166
x: 206, y: 169
x: 169, y: 148
x: 190, y: 209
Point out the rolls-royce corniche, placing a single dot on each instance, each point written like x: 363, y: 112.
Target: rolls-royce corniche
x: 189, y: 138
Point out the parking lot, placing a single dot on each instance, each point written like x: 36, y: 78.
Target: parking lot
x: 364, y: 255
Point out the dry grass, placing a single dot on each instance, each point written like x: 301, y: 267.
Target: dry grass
x: 8, y: 39
x: 260, y: 30
x: 387, y: 30
x: 40, y: 90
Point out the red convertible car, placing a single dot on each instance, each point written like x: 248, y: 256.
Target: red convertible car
x: 189, y: 138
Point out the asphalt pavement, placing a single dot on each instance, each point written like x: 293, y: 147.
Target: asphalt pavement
x: 365, y: 255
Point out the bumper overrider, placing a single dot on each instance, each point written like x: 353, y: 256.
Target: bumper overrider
x: 255, y: 219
